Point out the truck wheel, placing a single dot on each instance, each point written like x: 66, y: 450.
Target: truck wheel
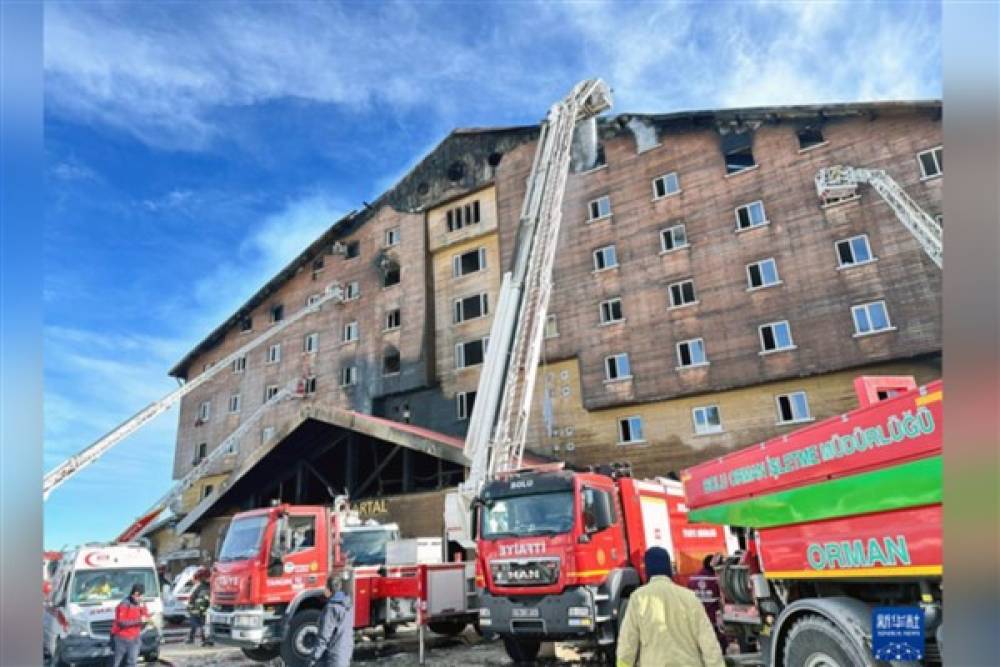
x: 816, y: 642
x: 522, y: 651
x: 449, y: 628
x: 264, y: 654
x: 296, y: 650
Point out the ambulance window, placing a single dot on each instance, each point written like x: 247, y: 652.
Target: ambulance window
x: 303, y: 530
x: 598, y: 510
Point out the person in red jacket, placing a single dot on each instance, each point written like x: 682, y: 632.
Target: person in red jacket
x: 130, y: 616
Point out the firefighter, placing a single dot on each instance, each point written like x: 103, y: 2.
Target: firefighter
x: 335, y: 641
x: 198, y: 605
x: 705, y: 586
x: 130, y: 616
x: 665, y: 624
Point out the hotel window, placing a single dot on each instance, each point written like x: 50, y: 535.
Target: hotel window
x: 312, y: 298
x: 274, y: 353
x: 392, y: 237
x: 762, y: 274
x: 317, y: 264
x: 234, y: 403
x: 854, y: 251
x: 471, y: 307
x: 630, y: 430
x: 469, y: 262
x: 277, y: 313
x: 206, y: 491
x: 200, y: 452
x: 611, y: 311
x: 691, y: 353
x: 240, y: 364
x: 349, y: 332
x: 617, y: 367
x: 551, y: 326
x: 464, y: 403
x: 204, y: 411
x: 471, y: 353
x: 391, y: 363
x: 737, y: 150
x: 605, y: 258
x: 353, y: 291
x: 270, y: 391
x: 348, y: 376
x: 931, y: 162
x: 810, y: 137
x: 246, y: 324
x: 750, y: 215
x: 666, y: 185
x: 682, y: 294
x: 792, y: 407
x: 391, y: 277
x: 599, y: 208
x: 310, y: 385
x: 775, y: 336
x: 311, y: 343
x: 673, y: 238
x: 870, y: 318
x: 392, y: 319
x: 707, y: 420
x: 353, y: 250
x: 462, y: 216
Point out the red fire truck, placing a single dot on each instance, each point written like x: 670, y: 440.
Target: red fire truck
x: 560, y: 551
x: 839, y: 518
x: 267, y: 583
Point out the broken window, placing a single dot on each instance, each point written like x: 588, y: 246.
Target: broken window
x: 810, y: 137
x: 853, y: 251
x: 682, y: 294
x: 464, y: 403
x: 390, y: 362
x: 353, y: 250
x: 348, y: 376
x: 471, y: 353
x: 630, y: 430
x: 277, y: 313
x: 469, y: 262
x: 471, y: 307
x: 673, y: 238
x: 775, y: 336
x: 599, y: 208
x: 792, y: 407
x: 392, y: 319
x: 931, y: 162
x: 605, y: 258
x: 691, y: 353
x: 617, y: 367
x: 666, y: 185
x: 738, y: 152
x: 246, y: 324
x: 611, y: 311
x: 762, y: 274
x: 750, y: 215
x: 461, y: 216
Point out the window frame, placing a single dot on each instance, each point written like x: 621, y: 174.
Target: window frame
x: 617, y: 367
x: 763, y: 285
x: 310, y: 344
x: 460, y: 357
x: 666, y: 192
x: 274, y: 354
x: 277, y: 313
x: 458, y: 308
x: 235, y: 403
x: 841, y: 265
x: 760, y: 336
x: 865, y: 306
x: 704, y: 410
x: 239, y: 365
x: 553, y: 327
x: 663, y: 232
x: 352, y: 287
x: 704, y: 354
x: 680, y: 285
x: 621, y: 432
x: 350, y: 332
x: 456, y: 262
x: 766, y: 221
x: 609, y: 303
x: 386, y: 357
x: 310, y: 386
x: 204, y: 411
x: 794, y: 420
x: 392, y: 237
x: 600, y: 216
x: 601, y: 251
x: 388, y: 326
x: 462, y: 411
x: 352, y: 375
x: 268, y: 393
x: 937, y: 153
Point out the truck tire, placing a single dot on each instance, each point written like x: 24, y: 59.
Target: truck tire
x: 448, y: 628
x: 522, y: 651
x: 296, y: 650
x: 816, y: 642
x: 263, y: 654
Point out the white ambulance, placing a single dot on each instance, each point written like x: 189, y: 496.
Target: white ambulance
x: 86, y: 588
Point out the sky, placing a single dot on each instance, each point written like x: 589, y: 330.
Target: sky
x: 193, y: 149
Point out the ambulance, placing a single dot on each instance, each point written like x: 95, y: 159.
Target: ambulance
x: 86, y: 587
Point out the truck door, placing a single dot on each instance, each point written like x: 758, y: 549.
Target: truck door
x: 302, y: 564
x: 602, y: 527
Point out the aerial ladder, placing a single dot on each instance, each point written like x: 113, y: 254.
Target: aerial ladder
x: 294, y: 389
x: 839, y: 182
x: 101, y: 446
x: 498, y: 425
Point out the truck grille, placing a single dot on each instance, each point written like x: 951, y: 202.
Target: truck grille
x: 101, y: 628
x: 541, y: 572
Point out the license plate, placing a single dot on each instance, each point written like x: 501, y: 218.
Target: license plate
x: 524, y: 613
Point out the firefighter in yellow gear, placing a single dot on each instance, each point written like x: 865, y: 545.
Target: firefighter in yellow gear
x: 665, y: 624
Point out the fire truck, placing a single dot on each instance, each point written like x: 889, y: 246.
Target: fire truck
x: 268, y: 580
x: 561, y: 551
x: 839, y: 518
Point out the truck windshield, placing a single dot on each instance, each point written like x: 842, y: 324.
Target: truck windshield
x: 96, y: 586
x: 243, y: 539
x: 365, y: 547
x: 536, y: 514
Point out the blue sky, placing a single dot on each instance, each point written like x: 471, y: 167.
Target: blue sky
x: 193, y: 149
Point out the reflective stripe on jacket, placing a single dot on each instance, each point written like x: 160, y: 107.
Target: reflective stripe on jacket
x: 665, y: 624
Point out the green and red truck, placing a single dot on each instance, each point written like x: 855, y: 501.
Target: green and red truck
x: 836, y: 519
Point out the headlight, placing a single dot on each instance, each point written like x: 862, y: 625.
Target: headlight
x: 79, y: 627
x: 578, y: 612
x: 246, y: 621
x: 484, y: 612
